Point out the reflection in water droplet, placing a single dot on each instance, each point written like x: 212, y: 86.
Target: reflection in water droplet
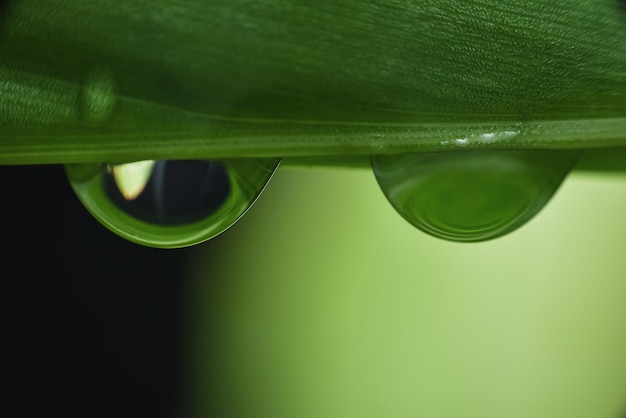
x: 170, y: 203
x: 471, y: 195
x: 131, y: 178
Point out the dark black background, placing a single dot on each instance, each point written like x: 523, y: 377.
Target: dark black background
x: 90, y: 325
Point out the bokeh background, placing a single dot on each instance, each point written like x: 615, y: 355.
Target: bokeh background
x: 320, y: 302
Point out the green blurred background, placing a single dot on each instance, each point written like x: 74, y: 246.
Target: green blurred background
x: 320, y: 302
x: 323, y: 302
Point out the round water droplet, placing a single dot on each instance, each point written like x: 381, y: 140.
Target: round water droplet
x: 170, y: 203
x: 98, y: 97
x: 471, y: 195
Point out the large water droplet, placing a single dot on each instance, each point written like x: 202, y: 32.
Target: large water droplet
x: 170, y: 203
x: 471, y: 195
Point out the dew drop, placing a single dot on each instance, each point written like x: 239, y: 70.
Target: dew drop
x: 170, y: 203
x: 461, y: 142
x: 470, y: 196
x: 97, y: 97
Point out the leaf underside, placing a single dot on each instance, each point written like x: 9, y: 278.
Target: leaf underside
x: 322, y: 82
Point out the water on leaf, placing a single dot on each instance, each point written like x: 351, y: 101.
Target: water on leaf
x: 472, y: 195
x: 170, y: 203
x: 98, y: 97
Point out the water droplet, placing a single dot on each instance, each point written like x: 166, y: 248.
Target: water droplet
x: 497, y: 136
x: 170, y: 203
x: 461, y: 142
x: 471, y: 195
x: 98, y: 97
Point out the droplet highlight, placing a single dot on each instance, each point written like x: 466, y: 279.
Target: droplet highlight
x: 170, y: 203
x: 470, y: 196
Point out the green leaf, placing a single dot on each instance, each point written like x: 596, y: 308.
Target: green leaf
x: 325, y: 82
